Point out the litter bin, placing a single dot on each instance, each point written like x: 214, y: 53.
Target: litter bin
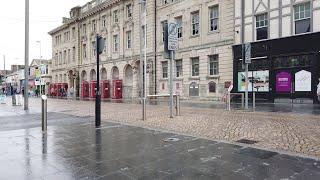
x: 14, y: 102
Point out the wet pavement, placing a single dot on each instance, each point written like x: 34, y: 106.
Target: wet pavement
x: 74, y: 149
x: 308, y: 109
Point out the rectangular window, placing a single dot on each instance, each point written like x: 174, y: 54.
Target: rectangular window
x: 302, y: 18
x: 195, y: 23
x: 73, y: 33
x: 69, y: 56
x: 179, y: 26
x: 57, y: 59
x: 115, y: 16
x: 104, y: 21
x: 60, y: 57
x: 262, y: 26
x: 129, y: 11
x: 84, y: 49
x: 115, y: 43
x: 73, y: 54
x: 214, y: 18
x: 163, y: 24
x: 64, y: 57
x: 93, y: 48
x: 94, y: 26
x: 105, y: 45
x: 128, y: 39
x: 84, y: 29
x: 179, y: 68
x: 213, y: 65
x: 165, y: 69
x: 195, y: 66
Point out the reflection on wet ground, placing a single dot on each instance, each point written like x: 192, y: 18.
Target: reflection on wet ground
x: 76, y: 150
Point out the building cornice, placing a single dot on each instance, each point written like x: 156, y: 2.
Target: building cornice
x: 90, y: 12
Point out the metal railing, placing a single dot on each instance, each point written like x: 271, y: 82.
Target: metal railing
x: 177, y: 100
x: 229, y: 97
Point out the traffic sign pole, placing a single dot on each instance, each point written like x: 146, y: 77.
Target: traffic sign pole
x: 172, y: 46
x: 171, y: 85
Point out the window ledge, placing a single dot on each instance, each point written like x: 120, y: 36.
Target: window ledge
x: 214, y: 32
x: 163, y: 79
x: 213, y: 76
x: 178, y: 78
x: 195, y: 36
x: 194, y: 78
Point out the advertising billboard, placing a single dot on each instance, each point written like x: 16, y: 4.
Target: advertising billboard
x: 258, y: 81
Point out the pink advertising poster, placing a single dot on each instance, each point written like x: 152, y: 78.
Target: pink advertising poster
x: 283, y: 82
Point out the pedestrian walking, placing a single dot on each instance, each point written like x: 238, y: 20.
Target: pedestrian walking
x: 318, y: 90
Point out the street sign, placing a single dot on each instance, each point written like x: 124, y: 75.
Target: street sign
x: 247, y: 48
x: 172, y: 37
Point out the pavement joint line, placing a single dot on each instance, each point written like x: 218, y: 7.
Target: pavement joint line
x: 222, y: 141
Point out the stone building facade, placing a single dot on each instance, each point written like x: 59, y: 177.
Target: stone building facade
x: 203, y: 61
x: 118, y: 21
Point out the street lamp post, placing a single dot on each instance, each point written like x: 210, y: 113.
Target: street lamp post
x: 246, y: 65
x: 143, y: 65
x: 39, y: 42
x: 40, y: 57
x: 26, y: 56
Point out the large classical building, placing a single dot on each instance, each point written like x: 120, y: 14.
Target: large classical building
x: 202, y: 65
x: 118, y: 22
x: 284, y: 36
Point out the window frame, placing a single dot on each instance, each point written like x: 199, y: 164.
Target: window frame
x: 129, y: 39
x: 179, y: 23
x: 179, y: 71
x: 116, y: 42
x: 129, y: 10
x: 306, y: 17
x: 213, y: 65
x: 195, y: 23
x: 213, y: 18
x: 262, y: 24
x: 193, y: 72
x: 165, y: 70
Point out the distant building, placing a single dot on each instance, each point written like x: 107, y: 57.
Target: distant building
x: 40, y: 75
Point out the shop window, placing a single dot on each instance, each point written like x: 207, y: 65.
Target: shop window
x: 302, y: 18
x: 212, y: 87
x: 262, y: 26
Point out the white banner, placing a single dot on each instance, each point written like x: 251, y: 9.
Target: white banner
x: 303, y: 81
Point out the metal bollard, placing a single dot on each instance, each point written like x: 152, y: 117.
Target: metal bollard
x: 177, y: 105
x: 254, y: 100
x: 229, y: 101
x: 44, y: 113
x: 242, y: 100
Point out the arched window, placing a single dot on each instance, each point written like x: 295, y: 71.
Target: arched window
x: 212, y: 87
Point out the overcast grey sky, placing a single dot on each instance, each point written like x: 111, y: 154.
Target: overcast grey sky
x: 44, y: 16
